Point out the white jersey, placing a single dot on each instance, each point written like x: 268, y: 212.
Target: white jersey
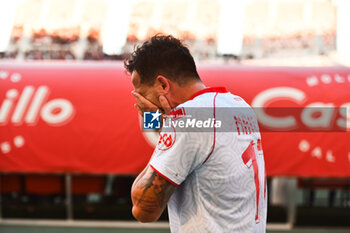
x: 220, y: 175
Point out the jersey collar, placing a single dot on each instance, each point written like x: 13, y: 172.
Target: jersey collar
x: 207, y: 90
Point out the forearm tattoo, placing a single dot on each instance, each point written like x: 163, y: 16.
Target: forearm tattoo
x: 156, y: 191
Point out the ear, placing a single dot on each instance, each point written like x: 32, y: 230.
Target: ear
x: 164, y: 84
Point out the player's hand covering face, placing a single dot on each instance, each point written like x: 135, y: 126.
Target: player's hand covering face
x: 144, y: 104
x: 148, y: 97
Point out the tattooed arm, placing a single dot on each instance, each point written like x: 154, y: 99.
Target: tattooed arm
x: 150, y: 193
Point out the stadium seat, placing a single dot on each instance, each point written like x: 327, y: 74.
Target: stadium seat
x: 10, y: 183
x: 330, y: 183
x: 86, y: 184
x: 122, y: 186
x: 44, y: 184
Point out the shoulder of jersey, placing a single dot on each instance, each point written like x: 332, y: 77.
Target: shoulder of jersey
x: 206, y: 100
x: 202, y: 101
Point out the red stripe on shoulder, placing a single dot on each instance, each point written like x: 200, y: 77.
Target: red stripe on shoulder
x: 212, y: 150
x: 208, y: 90
x: 172, y: 182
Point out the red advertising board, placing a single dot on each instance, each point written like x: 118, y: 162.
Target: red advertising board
x: 79, y: 117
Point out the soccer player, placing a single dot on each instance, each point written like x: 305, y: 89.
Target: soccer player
x: 212, y: 180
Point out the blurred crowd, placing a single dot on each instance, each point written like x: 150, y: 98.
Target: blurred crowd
x: 298, y: 44
x: 67, y: 44
x: 63, y: 44
x: 270, y: 28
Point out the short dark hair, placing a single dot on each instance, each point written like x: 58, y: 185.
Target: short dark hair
x: 162, y: 55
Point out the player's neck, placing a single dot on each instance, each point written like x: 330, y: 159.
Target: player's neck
x: 184, y: 93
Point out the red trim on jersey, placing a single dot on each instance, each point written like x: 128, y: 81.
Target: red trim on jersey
x: 212, y: 149
x: 265, y: 184
x: 209, y: 89
x: 172, y: 182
